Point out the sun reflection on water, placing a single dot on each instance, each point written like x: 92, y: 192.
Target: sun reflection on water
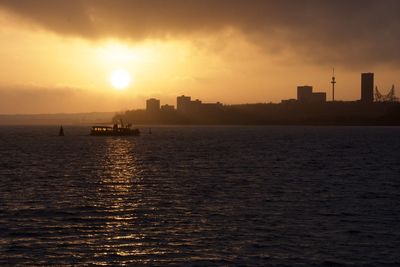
x: 121, y: 193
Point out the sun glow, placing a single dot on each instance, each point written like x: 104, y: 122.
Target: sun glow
x: 120, y: 79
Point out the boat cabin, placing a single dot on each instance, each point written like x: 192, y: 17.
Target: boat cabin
x: 101, y: 129
x: 116, y: 130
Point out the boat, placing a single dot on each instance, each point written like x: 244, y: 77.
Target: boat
x: 115, y: 130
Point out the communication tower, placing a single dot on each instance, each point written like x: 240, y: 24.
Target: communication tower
x: 333, y: 82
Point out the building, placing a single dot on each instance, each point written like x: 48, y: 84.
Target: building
x: 183, y: 103
x: 367, y: 87
x: 211, y: 107
x: 153, y: 105
x: 305, y: 94
x: 167, y: 108
x: 195, y: 106
x: 318, y: 97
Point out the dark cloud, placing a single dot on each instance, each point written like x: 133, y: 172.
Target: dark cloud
x: 334, y: 31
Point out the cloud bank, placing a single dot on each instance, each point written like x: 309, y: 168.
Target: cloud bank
x: 348, y: 32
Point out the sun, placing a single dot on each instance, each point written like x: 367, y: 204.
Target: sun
x: 120, y: 79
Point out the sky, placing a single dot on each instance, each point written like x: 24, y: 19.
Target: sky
x: 58, y: 56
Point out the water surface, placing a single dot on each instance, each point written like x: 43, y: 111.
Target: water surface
x: 201, y: 196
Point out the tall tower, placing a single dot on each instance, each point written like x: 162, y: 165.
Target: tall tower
x: 367, y: 87
x: 333, y: 82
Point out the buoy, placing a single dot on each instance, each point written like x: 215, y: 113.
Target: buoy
x: 61, y: 133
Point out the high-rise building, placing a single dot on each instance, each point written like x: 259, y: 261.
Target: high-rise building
x: 367, y: 87
x: 183, y: 103
x: 153, y: 105
x: 304, y: 93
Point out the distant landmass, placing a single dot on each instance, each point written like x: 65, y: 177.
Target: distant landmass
x: 288, y: 113
x: 310, y: 108
x: 58, y: 119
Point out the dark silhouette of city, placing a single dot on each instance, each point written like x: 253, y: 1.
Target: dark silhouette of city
x: 310, y: 108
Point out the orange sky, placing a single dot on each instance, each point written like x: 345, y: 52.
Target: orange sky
x: 53, y: 63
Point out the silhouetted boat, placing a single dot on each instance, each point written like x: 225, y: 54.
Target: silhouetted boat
x: 115, y: 130
x: 61, y: 132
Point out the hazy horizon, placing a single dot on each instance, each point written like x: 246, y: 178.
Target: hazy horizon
x: 58, y: 57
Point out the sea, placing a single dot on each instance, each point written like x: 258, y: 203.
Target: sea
x: 200, y: 196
